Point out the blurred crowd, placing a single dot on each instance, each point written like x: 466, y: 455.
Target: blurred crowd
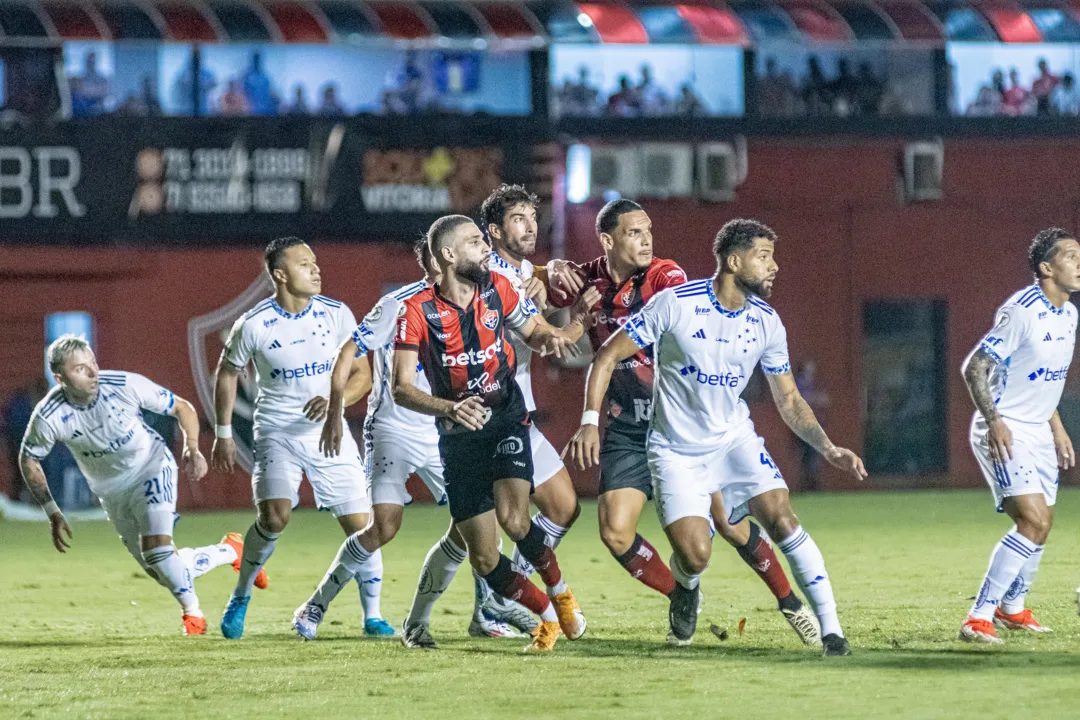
x: 1049, y: 94
x: 848, y: 93
x: 628, y: 99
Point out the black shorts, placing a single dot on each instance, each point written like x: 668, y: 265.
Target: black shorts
x: 473, y: 461
x: 623, y: 462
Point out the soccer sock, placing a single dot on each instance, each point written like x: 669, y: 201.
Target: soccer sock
x: 554, y: 535
x: 644, y: 564
x: 1010, y: 556
x: 520, y: 589
x: 535, y: 549
x: 1013, y: 600
x: 169, y: 570
x: 258, y: 547
x: 441, y: 564
x: 808, y: 567
x: 682, y: 576
x: 481, y: 591
x: 204, y: 559
x: 351, y: 556
x: 369, y: 580
x: 759, y: 555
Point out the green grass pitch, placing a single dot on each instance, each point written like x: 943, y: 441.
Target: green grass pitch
x: 88, y: 635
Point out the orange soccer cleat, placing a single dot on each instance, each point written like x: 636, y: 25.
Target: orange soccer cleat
x: 194, y: 625
x: 979, y: 631
x: 571, y: 619
x: 544, y: 639
x: 236, y: 540
x: 1022, y: 620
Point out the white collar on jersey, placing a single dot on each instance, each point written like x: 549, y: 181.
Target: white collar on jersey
x: 290, y: 316
x: 720, y: 308
x: 1035, y: 293
x: 501, y: 262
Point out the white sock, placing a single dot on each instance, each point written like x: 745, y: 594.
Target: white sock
x: 1009, y: 557
x: 808, y: 568
x: 1012, y: 601
x: 204, y: 559
x: 369, y: 580
x: 169, y: 570
x: 553, y: 535
x: 258, y: 547
x: 684, y: 578
x: 441, y: 564
x: 351, y: 556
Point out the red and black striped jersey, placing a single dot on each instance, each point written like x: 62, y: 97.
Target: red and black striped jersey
x: 465, y: 351
x: 630, y: 392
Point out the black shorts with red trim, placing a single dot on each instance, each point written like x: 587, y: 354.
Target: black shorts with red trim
x: 473, y: 461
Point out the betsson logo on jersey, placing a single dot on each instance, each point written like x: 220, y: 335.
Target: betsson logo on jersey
x: 304, y: 371
x: 473, y: 357
x: 1049, y: 375
x: 723, y: 380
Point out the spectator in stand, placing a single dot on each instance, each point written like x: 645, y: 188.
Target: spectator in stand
x: 688, y: 104
x: 234, y: 102
x: 1066, y: 97
x: 330, y: 104
x: 586, y: 96
x: 258, y: 90
x: 843, y: 89
x: 651, y: 100
x: 1018, y: 100
x: 815, y: 92
x: 1043, y: 88
x: 151, y: 104
x: 776, y: 94
x: 184, y: 92
x: 299, y: 104
x: 623, y: 103
x: 89, y: 91
x: 988, y: 103
x: 868, y: 91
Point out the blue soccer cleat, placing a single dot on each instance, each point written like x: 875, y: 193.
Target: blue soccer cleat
x: 377, y: 627
x: 232, y: 622
x: 306, y: 620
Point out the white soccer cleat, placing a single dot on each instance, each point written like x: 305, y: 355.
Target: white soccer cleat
x: 510, y: 613
x: 306, y: 620
x: 805, y: 624
x: 487, y: 627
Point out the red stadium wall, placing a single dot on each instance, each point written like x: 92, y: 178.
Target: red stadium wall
x: 845, y: 238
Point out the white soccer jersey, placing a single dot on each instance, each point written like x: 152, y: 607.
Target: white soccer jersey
x: 376, y: 334
x: 705, y: 355
x: 1032, y: 342
x: 522, y: 351
x: 108, y: 438
x: 293, y: 357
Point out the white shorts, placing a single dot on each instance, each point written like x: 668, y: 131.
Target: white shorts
x: 146, y: 507
x: 546, y: 460
x: 738, y: 467
x: 1033, y: 468
x: 392, y: 456
x: 340, y: 483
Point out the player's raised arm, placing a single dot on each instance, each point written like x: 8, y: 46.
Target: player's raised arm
x: 544, y: 337
x: 350, y: 381
x: 800, y: 418
x: 584, y: 447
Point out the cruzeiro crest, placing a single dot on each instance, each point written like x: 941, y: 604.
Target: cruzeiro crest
x: 206, y: 338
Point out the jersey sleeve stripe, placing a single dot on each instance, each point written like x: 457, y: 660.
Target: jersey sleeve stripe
x: 786, y: 367
x: 691, y: 288
x: 50, y: 407
x: 362, y: 349
x: 327, y: 301
x: 760, y: 304
x: 1026, y: 294
x: 264, y: 305
x: 990, y: 351
x: 632, y: 332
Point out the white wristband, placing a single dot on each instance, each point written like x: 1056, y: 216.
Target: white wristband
x: 223, y: 431
x: 590, y: 417
x: 50, y: 508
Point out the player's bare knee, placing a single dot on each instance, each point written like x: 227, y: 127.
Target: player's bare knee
x: 484, y: 560
x: 386, y: 529
x: 617, y: 539
x: 1035, y: 526
x: 516, y: 524
x: 780, y: 526
x: 273, y: 518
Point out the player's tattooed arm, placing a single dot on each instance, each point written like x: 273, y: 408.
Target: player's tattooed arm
x: 34, y: 477
x: 977, y: 377
x: 798, y: 416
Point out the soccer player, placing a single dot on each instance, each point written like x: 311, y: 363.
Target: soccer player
x: 508, y: 219
x: 709, y: 335
x: 627, y: 276
x: 1015, y: 376
x: 97, y: 414
x: 397, y: 442
x: 292, y: 338
x: 457, y: 331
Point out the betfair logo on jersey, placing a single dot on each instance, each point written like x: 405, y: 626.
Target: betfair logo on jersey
x: 1049, y: 375
x: 722, y: 380
x: 473, y: 357
x: 304, y: 371
x: 112, y: 447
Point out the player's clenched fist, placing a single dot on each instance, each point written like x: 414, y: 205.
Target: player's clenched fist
x: 584, y: 447
x: 470, y: 412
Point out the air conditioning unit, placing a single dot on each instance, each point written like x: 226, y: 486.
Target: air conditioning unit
x: 667, y: 170
x: 923, y: 164
x: 614, y: 168
x: 719, y: 171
